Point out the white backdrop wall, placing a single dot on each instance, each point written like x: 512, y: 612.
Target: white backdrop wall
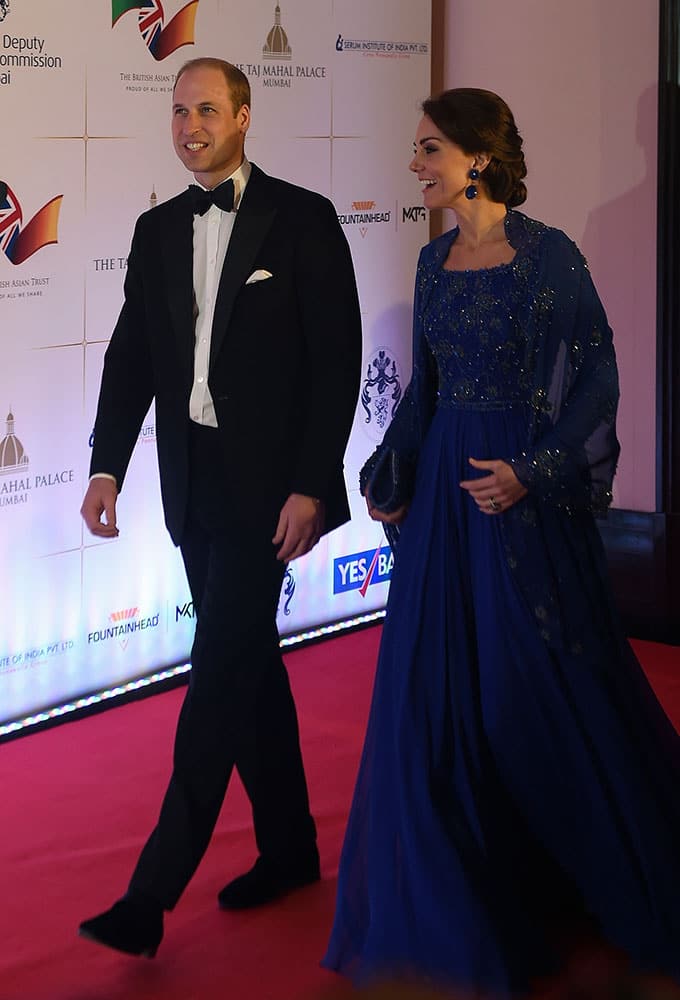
x: 85, y: 104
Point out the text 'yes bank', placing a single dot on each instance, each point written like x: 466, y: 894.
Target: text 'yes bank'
x: 362, y: 569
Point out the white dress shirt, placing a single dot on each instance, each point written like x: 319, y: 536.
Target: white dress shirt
x: 212, y: 233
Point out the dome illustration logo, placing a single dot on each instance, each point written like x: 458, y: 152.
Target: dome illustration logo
x: 13, y: 458
x: 19, y: 242
x: 161, y: 39
x: 276, y: 47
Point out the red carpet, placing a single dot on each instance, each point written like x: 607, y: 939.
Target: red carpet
x: 78, y: 802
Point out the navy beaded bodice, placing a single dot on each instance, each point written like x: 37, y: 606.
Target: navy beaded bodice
x: 472, y: 327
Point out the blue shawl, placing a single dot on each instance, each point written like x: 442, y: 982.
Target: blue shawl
x: 571, y: 451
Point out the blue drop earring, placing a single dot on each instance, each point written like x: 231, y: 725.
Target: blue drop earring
x: 471, y: 190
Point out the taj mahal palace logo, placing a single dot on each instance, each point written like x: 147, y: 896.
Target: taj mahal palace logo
x: 274, y: 65
x: 4, y: 9
x: 277, y: 46
x: 16, y: 486
x: 13, y: 458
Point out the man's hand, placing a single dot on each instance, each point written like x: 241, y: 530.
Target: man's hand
x: 99, y: 499
x: 300, y: 525
x: 497, y: 491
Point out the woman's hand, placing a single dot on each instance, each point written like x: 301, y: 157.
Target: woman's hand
x: 396, y: 517
x: 496, y: 492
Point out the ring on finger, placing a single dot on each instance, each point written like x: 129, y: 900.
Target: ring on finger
x: 494, y: 504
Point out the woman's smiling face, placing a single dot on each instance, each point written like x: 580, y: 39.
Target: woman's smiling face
x: 442, y: 167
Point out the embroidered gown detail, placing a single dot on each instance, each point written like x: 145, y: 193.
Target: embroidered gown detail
x: 516, y: 766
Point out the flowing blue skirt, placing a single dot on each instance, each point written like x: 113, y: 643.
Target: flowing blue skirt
x: 500, y: 784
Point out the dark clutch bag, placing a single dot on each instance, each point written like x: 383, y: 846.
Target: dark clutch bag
x: 387, y: 479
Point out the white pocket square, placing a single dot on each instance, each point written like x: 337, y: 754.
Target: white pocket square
x: 258, y: 276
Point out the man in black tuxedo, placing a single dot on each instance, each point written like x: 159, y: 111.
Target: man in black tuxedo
x: 242, y: 321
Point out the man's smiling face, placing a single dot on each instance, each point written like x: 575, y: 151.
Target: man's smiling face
x: 207, y: 133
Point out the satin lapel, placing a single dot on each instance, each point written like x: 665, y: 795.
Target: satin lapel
x: 178, y: 255
x: 253, y: 221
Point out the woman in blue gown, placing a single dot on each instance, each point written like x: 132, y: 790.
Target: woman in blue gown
x: 518, y: 772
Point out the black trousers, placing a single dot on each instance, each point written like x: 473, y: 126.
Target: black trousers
x: 238, y: 710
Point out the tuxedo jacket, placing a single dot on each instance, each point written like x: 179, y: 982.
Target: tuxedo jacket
x: 285, y: 353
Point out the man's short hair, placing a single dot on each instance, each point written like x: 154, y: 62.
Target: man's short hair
x: 237, y: 81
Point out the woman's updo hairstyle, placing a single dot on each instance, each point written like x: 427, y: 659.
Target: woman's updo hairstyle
x: 479, y: 121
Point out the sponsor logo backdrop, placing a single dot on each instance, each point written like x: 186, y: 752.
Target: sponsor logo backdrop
x: 336, y: 86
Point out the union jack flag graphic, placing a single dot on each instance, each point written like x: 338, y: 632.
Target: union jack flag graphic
x: 151, y: 18
x: 161, y: 39
x: 18, y: 241
x: 10, y: 219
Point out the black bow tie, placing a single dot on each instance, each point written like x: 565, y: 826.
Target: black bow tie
x: 222, y: 196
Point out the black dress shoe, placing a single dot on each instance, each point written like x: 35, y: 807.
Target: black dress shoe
x: 267, y: 881
x: 131, y: 925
